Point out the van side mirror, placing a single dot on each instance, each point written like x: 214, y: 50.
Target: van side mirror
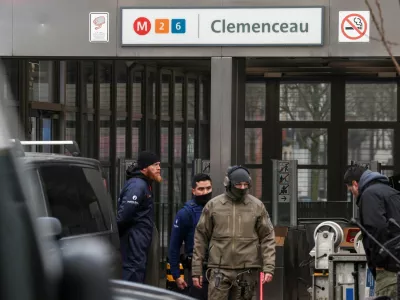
x: 49, y: 227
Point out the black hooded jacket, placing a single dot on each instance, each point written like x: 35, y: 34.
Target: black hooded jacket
x: 135, y: 219
x: 378, y: 202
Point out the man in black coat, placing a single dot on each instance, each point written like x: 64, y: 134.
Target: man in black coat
x: 377, y: 202
x: 135, y: 215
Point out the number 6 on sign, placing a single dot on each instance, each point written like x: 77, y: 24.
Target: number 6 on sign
x: 178, y: 26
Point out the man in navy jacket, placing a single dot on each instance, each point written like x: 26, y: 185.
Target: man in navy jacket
x: 135, y: 215
x: 183, y: 231
x: 378, y: 202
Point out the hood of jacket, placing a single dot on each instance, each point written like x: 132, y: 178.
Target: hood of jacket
x: 367, y: 178
x: 136, y: 173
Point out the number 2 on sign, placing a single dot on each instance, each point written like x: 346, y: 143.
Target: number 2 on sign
x: 162, y: 26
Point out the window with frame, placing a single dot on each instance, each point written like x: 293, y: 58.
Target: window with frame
x: 77, y: 197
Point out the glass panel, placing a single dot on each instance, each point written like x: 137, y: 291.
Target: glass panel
x: 105, y: 73
x: 89, y: 133
x: 137, y: 96
x: 371, y: 144
x: 71, y: 81
x: 308, y: 145
x: 312, y: 185
x: 305, y: 102
x: 178, y: 97
x: 178, y: 186
x: 205, y: 141
x: 388, y: 173
x: 47, y: 133
x: 189, y: 184
x: 257, y: 184
x: 191, y: 101
x: 371, y: 102
x: 190, y: 145
x: 201, y: 99
x: 151, y: 90
x: 121, y: 86
x: 40, y: 77
x: 70, y: 126
x: 75, y: 199
x: 164, y: 144
x: 253, y: 145
x: 165, y: 95
x: 106, y: 174
x: 152, y: 134
x: 9, y: 87
x: 88, y: 77
x: 178, y: 144
x: 11, y: 113
x: 121, y: 136
x: 104, y: 153
x: 256, y: 94
x: 164, y: 186
x: 164, y: 209
x: 135, y: 142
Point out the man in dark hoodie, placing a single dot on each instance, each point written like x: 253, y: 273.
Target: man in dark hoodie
x: 377, y: 202
x: 135, y: 215
x: 183, y: 231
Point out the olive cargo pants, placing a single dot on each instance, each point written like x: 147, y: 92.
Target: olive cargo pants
x: 386, y: 284
x: 229, y: 288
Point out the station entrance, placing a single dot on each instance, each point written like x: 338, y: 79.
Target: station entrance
x: 322, y: 112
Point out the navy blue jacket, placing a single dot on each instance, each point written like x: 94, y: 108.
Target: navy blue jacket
x: 183, y: 231
x: 135, y: 216
x: 378, y: 202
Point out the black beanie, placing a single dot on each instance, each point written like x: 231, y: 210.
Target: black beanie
x: 147, y: 158
x: 239, y: 175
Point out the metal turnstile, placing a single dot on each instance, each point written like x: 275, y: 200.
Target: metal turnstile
x: 339, y: 274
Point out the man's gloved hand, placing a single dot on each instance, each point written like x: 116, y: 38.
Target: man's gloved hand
x: 181, y: 283
x: 266, y: 278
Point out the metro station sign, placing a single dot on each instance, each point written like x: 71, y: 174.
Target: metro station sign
x: 236, y: 26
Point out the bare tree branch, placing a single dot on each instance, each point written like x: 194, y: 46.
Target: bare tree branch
x: 380, y: 40
x: 381, y: 31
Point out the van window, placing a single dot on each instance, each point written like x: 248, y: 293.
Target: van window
x: 74, y: 194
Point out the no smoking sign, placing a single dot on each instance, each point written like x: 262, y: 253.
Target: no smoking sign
x: 354, y: 26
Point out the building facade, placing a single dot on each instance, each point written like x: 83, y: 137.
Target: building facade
x: 235, y: 82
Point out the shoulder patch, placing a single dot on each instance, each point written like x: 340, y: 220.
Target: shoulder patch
x: 176, y: 225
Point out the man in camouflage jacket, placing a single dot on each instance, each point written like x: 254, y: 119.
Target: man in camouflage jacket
x: 236, y: 229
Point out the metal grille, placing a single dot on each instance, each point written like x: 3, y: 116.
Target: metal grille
x: 104, y: 147
x: 121, y: 139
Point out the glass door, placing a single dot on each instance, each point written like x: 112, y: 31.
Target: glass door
x: 45, y: 126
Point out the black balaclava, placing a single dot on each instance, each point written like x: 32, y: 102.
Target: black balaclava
x: 202, y: 199
x: 237, y: 176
